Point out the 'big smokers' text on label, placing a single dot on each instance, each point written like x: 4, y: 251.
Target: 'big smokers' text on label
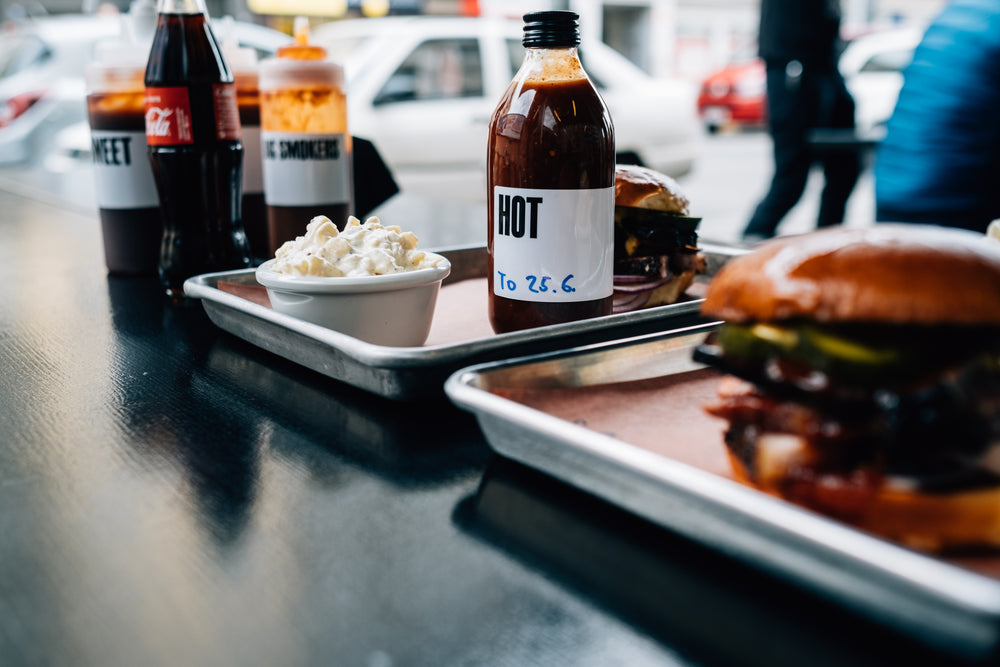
x: 305, y: 169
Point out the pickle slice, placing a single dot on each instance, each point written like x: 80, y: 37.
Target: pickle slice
x: 825, y: 350
x: 850, y: 350
x: 858, y: 355
x: 781, y: 336
x: 757, y: 341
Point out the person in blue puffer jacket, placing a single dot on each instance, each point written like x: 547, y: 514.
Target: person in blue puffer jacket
x: 940, y: 160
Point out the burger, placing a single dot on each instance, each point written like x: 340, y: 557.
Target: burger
x: 863, y: 378
x: 656, y: 254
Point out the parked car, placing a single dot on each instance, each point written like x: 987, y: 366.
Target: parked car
x: 872, y: 66
x: 423, y: 90
x: 734, y: 96
x: 41, y: 76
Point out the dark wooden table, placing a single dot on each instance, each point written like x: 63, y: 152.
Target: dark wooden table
x: 170, y: 495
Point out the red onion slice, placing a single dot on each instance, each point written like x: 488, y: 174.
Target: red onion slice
x: 647, y: 286
x: 622, y: 303
x: 629, y: 278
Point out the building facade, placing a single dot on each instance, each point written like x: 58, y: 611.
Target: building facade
x: 689, y: 38
x: 685, y: 38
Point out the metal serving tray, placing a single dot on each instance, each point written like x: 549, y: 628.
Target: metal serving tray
x: 939, y: 602
x: 411, y: 373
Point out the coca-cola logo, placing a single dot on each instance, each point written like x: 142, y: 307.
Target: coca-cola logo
x: 168, y: 116
x: 158, y: 122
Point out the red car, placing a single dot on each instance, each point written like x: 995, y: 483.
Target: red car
x: 735, y: 95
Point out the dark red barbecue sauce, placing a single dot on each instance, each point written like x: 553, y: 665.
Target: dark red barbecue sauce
x: 562, y: 140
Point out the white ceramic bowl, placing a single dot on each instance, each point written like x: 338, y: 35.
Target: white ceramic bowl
x: 393, y: 309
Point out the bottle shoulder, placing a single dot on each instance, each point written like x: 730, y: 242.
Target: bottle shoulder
x: 530, y: 98
x: 185, y: 52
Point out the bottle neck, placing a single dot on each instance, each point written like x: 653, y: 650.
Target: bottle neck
x: 181, y: 7
x: 547, y: 51
x: 559, y: 63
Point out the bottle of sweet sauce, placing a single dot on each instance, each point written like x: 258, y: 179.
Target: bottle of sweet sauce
x: 550, y: 175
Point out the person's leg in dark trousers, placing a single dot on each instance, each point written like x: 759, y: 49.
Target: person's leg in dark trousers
x: 841, y: 167
x: 789, y: 116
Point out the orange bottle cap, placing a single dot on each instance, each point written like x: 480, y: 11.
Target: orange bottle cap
x: 301, y: 49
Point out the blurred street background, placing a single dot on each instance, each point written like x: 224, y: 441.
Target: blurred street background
x: 730, y: 175
x: 680, y: 77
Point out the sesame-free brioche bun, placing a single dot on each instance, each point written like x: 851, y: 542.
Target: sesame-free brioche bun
x: 640, y: 187
x: 886, y: 273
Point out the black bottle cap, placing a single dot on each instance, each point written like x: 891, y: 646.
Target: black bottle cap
x: 551, y: 29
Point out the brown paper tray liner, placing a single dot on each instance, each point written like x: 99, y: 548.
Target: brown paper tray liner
x: 665, y: 415
x: 459, y: 316
x: 639, y: 413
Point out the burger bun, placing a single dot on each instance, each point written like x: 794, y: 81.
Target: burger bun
x: 886, y: 273
x: 641, y: 187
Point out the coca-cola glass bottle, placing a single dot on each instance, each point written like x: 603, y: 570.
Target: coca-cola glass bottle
x: 193, y: 134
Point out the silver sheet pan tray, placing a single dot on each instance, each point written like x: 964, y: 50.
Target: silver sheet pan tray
x: 622, y: 420
x: 418, y: 373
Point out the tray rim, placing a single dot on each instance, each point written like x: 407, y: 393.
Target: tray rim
x: 382, y: 358
x: 958, y: 605
x: 387, y: 356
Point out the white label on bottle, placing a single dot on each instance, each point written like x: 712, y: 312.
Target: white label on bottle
x: 305, y: 169
x: 253, y: 175
x: 122, y: 170
x: 553, y: 245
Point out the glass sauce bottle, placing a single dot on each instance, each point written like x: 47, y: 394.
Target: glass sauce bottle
x: 550, y: 178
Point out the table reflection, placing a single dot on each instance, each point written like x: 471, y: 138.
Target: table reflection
x: 711, y: 607
x: 154, y: 335
x: 411, y: 444
x: 258, y: 395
